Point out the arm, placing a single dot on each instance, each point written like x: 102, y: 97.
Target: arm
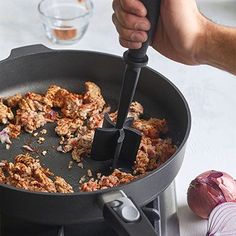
x: 183, y: 34
x: 219, y: 47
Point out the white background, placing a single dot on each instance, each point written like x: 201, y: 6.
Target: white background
x: 211, y: 93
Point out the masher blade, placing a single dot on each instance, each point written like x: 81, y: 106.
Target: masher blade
x: 104, y: 143
x: 130, y: 145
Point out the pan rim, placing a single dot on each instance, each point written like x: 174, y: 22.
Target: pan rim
x: 119, y: 187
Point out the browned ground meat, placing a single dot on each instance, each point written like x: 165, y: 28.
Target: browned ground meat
x: 13, y: 130
x: 27, y: 173
x: 6, y: 113
x: 13, y: 101
x: 77, y: 115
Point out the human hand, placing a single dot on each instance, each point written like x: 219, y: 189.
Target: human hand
x: 180, y: 33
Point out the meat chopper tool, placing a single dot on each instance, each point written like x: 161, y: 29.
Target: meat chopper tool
x: 119, y: 141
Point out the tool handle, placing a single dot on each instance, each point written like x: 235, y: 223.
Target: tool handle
x: 153, y: 12
x: 135, y: 59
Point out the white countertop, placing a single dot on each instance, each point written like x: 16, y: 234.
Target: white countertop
x: 211, y: 93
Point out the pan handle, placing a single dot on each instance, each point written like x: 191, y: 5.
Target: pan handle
x: 28, y: 50
x: 124, y: 216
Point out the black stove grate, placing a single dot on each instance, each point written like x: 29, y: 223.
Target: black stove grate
x: 165, y: 204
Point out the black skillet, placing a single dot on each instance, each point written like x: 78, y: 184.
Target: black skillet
x: 34, y: 68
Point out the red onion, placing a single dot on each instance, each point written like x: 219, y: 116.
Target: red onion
x: 60, y: 149
x: 4, y: 136
x: 210, y: 189
x: 222, y: 220
x: 27, y: 147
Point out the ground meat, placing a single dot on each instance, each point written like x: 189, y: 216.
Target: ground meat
x: 13, y: 130
x: 95, y: 121
x: 72, y: 106
x: 51, y: 115
x: 67, y: 126
x: 35, y: 97
x: 13, y: 101
x: 2, y: 177
x: 77, y: 116
x: 59, y: 98
x: 83, y: 145
x: 135, y: 110
x: 62, y: 186
x: 152, y: 127
x: 33, y: 102
x: 6, y: 113
x: 116, y: 178
x: 141, y: 162
x: 93, y: 95
x: 164, y: 149
x: 50, y: 95
x: 30, y: 120
x: 27, y: 173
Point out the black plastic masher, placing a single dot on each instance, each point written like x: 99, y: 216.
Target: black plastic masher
x: 120, y: 141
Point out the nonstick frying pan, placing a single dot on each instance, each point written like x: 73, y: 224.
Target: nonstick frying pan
x: 34, y: 68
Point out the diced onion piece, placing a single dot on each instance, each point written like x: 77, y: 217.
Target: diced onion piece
x: 4, y: 137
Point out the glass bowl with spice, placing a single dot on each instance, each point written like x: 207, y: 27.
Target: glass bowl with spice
x: 65, y: 21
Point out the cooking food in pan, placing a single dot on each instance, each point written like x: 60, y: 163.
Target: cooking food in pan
x: 75, y: 116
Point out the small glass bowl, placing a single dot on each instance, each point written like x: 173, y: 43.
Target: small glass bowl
x: 65, y: 21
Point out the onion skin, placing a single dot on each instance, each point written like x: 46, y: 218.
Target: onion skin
x: 210, y: 189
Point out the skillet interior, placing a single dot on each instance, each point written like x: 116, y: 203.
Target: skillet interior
x: 70, y: 70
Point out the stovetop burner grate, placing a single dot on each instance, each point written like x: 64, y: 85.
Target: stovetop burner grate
x: 165, y: 203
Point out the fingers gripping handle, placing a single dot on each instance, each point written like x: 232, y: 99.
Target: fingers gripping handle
x: 153, y: 12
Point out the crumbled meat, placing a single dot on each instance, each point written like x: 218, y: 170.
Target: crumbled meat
x: 141, y: 162
x: 34, y: 102
x: 6, y: 113
x: 35, y: 97
x: 13, y: 130
x: 95, y: 121
x: 27, y: 173
x: 164, y: 149
x: 76, y: 117
x: 135, y: 110
x: 2, y: 177
x: 152, y: 127
x: 59, y: 98
x: 13, y: 101
x: 93, y: 95
x: 50, y: 95
x: 41, y: 140
x: 43, y: 131
x: 51, y: 115
x: 72, y: 106
x: 83, y: 145
x: 67, y: 126
x: 30, y: 120
x: 62, y: 186
x: 116, y: 178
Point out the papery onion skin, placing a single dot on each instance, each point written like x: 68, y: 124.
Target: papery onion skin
x: 210, y: 189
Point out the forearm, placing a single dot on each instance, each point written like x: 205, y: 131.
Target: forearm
x: 219, y: 47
